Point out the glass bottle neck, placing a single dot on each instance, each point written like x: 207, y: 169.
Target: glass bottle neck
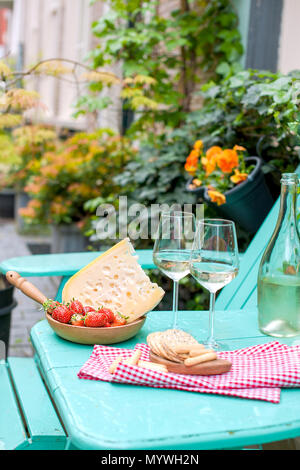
x: 288, y: 199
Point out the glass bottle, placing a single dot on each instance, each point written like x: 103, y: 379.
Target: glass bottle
x: 278, y: 285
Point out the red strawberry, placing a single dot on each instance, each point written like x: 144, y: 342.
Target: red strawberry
x: 119, y: 320
x: 107, y: 325
x: 77, y: 320
x: 109, y: 314
x: 50, y: 305
x: 88, y: 309
x: 95, y: 319
x: 76, y: 307
x: 62, y: 314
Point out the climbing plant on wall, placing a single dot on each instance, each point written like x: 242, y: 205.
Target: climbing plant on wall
x: 196, y: 41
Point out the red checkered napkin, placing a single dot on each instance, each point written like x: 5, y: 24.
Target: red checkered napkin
x: 258, y: 372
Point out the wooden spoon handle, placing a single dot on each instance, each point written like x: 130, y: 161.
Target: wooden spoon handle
x: 25, y: 286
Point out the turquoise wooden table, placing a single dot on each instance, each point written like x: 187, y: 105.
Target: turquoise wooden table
x: 101, y: 415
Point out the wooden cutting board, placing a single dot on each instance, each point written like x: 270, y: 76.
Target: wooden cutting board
x: 218, y: 366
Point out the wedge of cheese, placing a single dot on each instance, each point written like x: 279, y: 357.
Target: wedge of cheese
x: 115, y: 280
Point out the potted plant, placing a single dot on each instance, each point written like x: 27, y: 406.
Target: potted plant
x: 231, y: 182
x: 258, y: 110
x: 81, y: 168
x: 30, y: 143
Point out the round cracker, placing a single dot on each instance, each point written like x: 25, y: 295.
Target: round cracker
x: 162, y: 343
x: 154, y: 343
x: 173, y: 337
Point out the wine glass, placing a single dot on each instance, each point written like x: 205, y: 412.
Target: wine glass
x: 214, y: 262
x: 172, y: 249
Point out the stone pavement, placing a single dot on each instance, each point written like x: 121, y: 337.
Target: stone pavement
x: 27, y: 312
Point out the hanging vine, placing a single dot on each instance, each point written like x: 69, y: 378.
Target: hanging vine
x: 197, y: 41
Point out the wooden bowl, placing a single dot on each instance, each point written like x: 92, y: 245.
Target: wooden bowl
x: 88, y: 335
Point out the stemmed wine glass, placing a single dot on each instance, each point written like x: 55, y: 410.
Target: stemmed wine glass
x: 214, y: 262
x: 172, y: 249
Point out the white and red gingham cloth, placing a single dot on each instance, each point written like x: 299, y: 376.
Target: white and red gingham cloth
x: 257, y: 372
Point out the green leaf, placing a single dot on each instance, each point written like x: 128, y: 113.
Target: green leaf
x: 223, y: 69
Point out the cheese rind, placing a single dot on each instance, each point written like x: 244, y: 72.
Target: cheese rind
x: 115, y: 280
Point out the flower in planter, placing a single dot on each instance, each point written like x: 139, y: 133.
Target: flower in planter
x: 238, y: 177
x: 218, y: 169
x: 216, y: 196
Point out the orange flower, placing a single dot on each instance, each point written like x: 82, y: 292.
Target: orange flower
x: 191, y: 162
x: 212, y: 152
x: 238, y: 177
x: 34, y: 204
x: 194, y: 155
x: 198, y: 145
x: 58, y: 208
x: 239, y: 148
x: 82, y: 189
x: 228, y: 160
x: 216, y: 196
x: 26, y: 212
x: 197, y: 182
x: 209, y: 164
x: 50, y: 171
x: 33, y: 188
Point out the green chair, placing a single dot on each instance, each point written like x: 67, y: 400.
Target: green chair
x: 29, y: 420
x: 241, y: 292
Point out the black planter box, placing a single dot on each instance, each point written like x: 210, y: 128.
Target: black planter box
x: 7, y: 203
x: 7, y: 304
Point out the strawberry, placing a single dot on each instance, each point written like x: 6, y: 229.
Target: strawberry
x: 77, y: 320
x: 107, y: 325
x: 109, y: 314
x: 50, y: 305
x: 76, y: 306
x: 119, y: 320
x: 88, y: 309
x: 95, y: 319
x: 62, y: 314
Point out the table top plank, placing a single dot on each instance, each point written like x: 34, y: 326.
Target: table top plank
x: 62, y: 264
x: 100, y: 415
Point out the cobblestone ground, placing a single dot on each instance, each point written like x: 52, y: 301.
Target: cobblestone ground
x: 27, y: 312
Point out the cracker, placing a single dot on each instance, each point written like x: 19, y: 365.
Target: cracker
x: 156, y: 341
x: 175, y: 337
x: 151, y: 343
x: 163, y: 343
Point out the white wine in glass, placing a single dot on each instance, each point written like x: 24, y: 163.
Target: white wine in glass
x: 172, y: 249
x: 214, y: 262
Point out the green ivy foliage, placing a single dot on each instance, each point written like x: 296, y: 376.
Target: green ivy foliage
x: 201, y: 35
x: 255, y: 109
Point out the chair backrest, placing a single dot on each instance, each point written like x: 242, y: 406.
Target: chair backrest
x: 242, y: 291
